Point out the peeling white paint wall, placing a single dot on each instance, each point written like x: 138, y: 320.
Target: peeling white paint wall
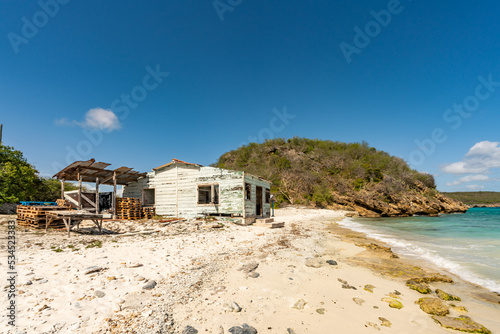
x: 176, y: 191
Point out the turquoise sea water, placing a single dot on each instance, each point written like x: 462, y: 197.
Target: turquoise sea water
x: 467, y: 245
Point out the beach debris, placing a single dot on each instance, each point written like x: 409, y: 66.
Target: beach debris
x: 446, y: 296
x: 321, y: 310
x: 393, y: 303
x: 463, y: 323
x: 433, y: 306
x: 300, y: 304
x: 221, y: 330
x: 290, y: 331
x: 99, y: 294
x: 421, y: 287
x: 385, y: 322
x: 358, y: 301
x: 393, y: 295
x: 134, y: 265
x: 313, y: 262
x: 92, y: 269
x: 28, y: 282
x: 232, y: 307
x: 149, y: 285
x: 139, y: 278
x: 331, y: 262
x: 244, y: 329
x: 190, y: 330
x: 346, y: 285
x: 369, y: 288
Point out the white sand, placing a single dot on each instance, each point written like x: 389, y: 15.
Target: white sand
x: 196, y: 269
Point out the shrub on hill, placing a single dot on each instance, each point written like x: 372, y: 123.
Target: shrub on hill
x: 313, y: 171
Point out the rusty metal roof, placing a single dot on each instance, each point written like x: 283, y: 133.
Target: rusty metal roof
x: 174, y: 161
x: 91, y: 170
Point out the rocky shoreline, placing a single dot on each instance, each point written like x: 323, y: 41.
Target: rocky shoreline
x: 419, y: 201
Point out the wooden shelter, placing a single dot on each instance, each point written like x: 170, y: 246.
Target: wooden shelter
x: 95, y: 172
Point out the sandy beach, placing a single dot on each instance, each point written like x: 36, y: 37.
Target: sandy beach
x: 311, y: 276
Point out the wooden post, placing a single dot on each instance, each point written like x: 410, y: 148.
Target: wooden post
x: 79, y: 191
x: 114, y: 195
x: 97, y: 195
x: 62, y: 189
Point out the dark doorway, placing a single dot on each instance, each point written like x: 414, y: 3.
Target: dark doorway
x: 258, y: 201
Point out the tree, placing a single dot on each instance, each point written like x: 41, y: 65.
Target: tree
x: 19, y: 181
x: 18, y: 178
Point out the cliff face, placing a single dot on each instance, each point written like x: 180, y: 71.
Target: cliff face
x: 418, y: 202
x: 350, y: 176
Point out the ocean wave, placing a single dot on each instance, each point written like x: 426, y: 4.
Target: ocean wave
x: 410, y: 249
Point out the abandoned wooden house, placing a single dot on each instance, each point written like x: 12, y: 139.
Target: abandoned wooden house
x: 189, y: 190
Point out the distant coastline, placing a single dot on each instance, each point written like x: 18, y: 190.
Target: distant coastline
x: 495, y: 205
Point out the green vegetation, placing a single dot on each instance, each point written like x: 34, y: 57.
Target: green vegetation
x: 318, y: 172
x: 19, y: 180
x: 476, y: 197
x: 94, y: 244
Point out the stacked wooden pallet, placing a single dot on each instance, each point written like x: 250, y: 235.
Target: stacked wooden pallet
x: 63, y: 202
x: 148, y: 212
x: 36, y: 216
x: 128, y: 208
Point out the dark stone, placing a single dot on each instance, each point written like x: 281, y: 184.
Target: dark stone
x: 149, y: 285
x: 244, y: 329
x: 331, y: 262
x: 190, y: 330
x: 253, y: 274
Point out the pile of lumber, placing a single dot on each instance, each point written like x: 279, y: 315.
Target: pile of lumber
x: 36, y: 216
x: 148, y: 212
x: 128, y: 208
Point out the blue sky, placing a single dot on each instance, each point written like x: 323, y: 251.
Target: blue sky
x: 139, y: 83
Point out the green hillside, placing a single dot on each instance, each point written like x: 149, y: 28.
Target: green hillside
x: 325, y: 173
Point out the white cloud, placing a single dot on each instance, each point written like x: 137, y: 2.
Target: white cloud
x: 468, y: 178
x: 64, y: 122
x: 475, y: 187
x: 96, y: 118
x: 480, y: 159
x: 462, y: 168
